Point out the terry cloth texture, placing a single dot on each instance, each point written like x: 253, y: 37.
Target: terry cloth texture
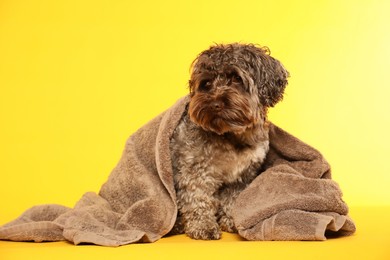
x: 293, y: 198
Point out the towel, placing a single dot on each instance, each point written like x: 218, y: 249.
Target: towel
x: 293, y: 198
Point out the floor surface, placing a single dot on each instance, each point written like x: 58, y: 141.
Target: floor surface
x: 371, y: 241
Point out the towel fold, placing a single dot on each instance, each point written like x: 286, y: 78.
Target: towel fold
x: 294, y: 198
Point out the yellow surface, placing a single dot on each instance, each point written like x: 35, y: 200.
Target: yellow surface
x: 77, y: 77
x: 370, y: 242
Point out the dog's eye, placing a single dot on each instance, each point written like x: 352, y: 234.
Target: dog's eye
x: 205, y: 85
x: 236, y: 78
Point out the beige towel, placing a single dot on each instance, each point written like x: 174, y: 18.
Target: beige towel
x: 292, y: 199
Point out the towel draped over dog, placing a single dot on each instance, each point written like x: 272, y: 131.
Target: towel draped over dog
x: 293, y: 198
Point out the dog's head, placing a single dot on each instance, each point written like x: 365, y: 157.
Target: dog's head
x: 232, y: 86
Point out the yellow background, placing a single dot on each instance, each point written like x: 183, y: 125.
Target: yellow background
x: 78, y: 77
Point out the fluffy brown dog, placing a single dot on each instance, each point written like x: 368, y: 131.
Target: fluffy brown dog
x: 221, y: 141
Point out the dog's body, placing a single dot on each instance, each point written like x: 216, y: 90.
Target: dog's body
x: 219, y: 145
x: 209, y: 172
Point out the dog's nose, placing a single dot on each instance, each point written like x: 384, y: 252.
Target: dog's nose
x: 217, y: 105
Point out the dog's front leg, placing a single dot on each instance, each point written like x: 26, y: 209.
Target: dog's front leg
x: 227, y: 195
x: 198, y: 206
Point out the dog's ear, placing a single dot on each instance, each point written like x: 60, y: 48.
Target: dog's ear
x: 271, y: 78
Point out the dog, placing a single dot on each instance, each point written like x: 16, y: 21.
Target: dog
x: 221, y: 141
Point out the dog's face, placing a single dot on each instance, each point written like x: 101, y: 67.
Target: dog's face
x: 232, y: 86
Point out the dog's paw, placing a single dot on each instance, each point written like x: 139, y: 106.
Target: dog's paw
x: 227, y: 224
x: 204, y: 231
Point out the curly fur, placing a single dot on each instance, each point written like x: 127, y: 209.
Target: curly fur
x: 220, y: 143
